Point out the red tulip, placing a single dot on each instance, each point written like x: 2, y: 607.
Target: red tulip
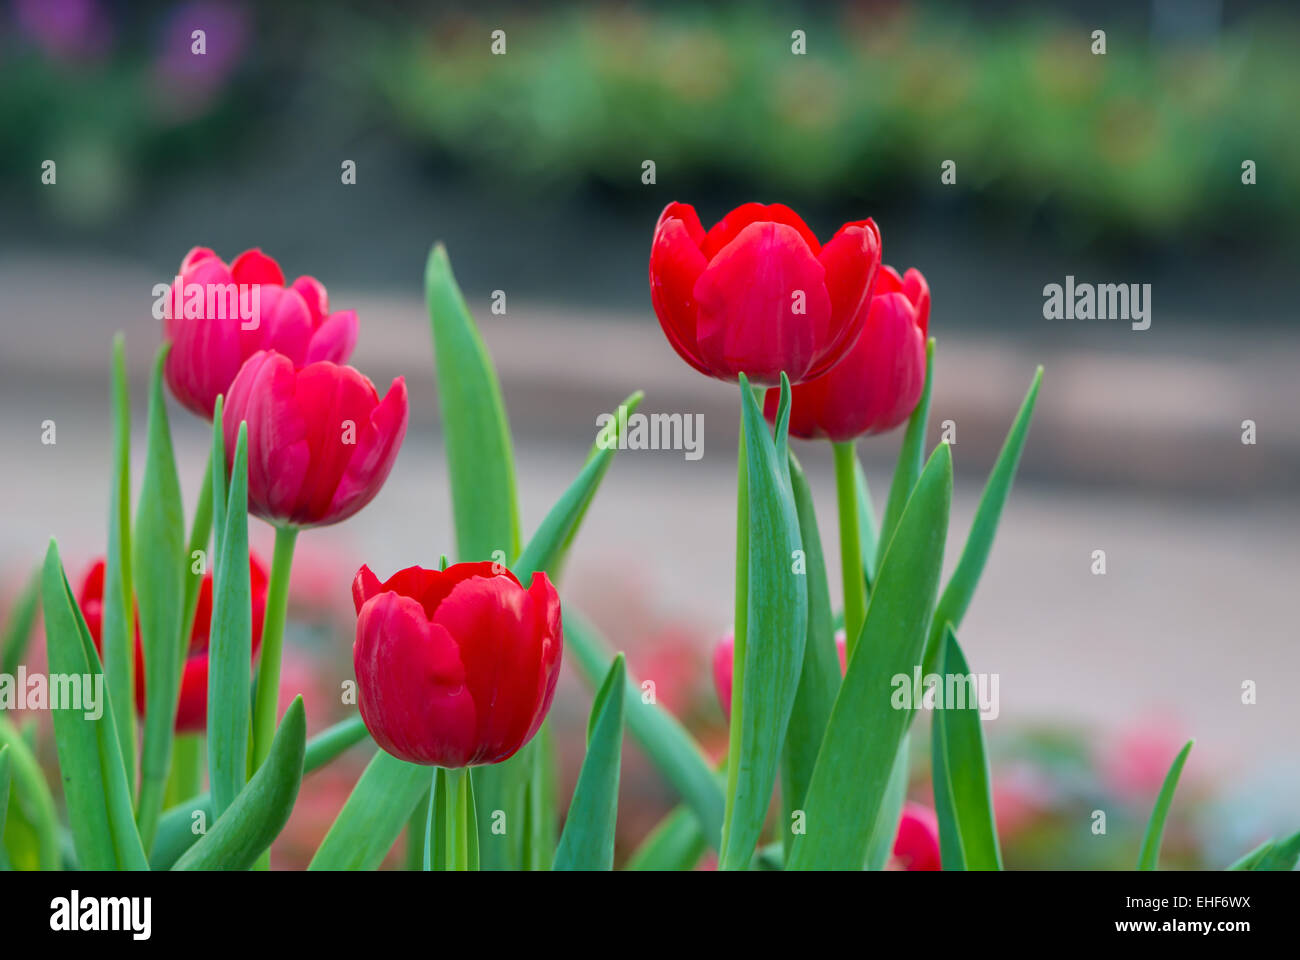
x: 916, y: 847
x: 208, y: 349
x: 878, y: 383
x: 757, y: 294
x: 192, y: 711
x: 724, y: 666
x: 455, y: 667
x: 320, y: 441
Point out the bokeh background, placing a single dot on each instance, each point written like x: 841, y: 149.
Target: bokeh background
x: 1122, y: 168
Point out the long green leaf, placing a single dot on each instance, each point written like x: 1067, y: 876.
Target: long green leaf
x: 675, y: 844
x: 540, y: 803
x: 961, y: 586
x: 866, y: 727
x: 1282, y: 855
x: 118, y: 622
x: 770, y: 646
x: 159, y: 571
x: 33, y: 814
x: 1149, y: 855
x: 819, y: 679
x: 372, y: 819
x: 18, y: 628
x: 587, y: 842
x: 230, y: 650
x: 176, y: 827
x: 910, y: 457
x: 241, y: 834
x: 665, y: 741
x: 963, y: 799
x: 90, y: 760
x: 868, y: 536
x: 885, y: 830
x: 4, y: 801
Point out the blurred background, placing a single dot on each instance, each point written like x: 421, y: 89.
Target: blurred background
x: 1117, y: 168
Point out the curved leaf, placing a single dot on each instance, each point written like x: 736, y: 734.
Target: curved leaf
x: 1150, y: 852
x: 33, y: 805
x: 372, y: 819
x: 911, y: 455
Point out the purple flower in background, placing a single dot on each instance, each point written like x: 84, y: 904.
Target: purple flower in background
x: 69, y: 30
x: 192, y: 67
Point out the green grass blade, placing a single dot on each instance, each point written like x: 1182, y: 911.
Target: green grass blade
x: 158, y: 573
x: 868, y: 536
x: 863, y: 736
x: 5, y: 777
x: 18, y: 628
x: 881, y: 845
x: 230, y: 650
x: 963, y: 798
x: 540, y: 803
x: 961, y: 587
x: 770, y: 648
x: 675, y: 844
x: 1150, y: 852
x: 587, y: 842
x: 479, y: 453
x: 372, y: 819
x: 1282, y: 855
x: 246, y: 830
x: 1254, y: 858
x: 33, y: 833
x: 665, y: 741
x: 118, y: 623
x: 911, y: 455
x: 819, y: 678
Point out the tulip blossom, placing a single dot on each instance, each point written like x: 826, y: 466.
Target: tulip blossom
x: 758, y: 294
x: 217, y: 316
x: 192, y: 710
x: 455, y: 667
x: 877, y: 385
x: 916, y: 847
x: 723, y: 666
x: 320, y: 440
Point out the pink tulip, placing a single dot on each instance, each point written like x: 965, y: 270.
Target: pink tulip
x: 320, y: 441
x: 916, y: 847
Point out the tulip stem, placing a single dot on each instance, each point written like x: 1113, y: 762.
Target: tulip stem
x: 855, y: 587
x: 186, y: 777
x: 738, y: 649
x: 460, y: 820
x: 266, y: 701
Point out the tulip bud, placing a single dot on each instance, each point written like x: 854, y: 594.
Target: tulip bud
x: 877, y: 385
x: 320, y: 441
x: 455, y: 667
x: 208, y: 349
x: 916, y: 847
x: 758, y: 294
x: 192, y: 709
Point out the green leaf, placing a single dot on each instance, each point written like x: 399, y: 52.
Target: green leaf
x: 479, y: 454
x: 33, y: 837
x: 819, y: 678
x: 665, y: 741
x: 770, y: 641
x: 675, y: 844
x: 18, y: 629
x: 4, y: 801
x: 159, y: 571
x: 175, y: 828
x: 372, y: 819
x: 961, y: 586
x: 885, y: 831
x: 910, y: 457
x: 862, y: 738
x: 963, y: 800
x: 1150, y: 853
x: 587, y: 842
x: 230, y: 650
x: 241, y: 834
x: 1251, y: 860
x: 867, y: 534
x: 90, y: 760
x: 540, y: 801
x: 118, y: 619
x: 1281, y: 856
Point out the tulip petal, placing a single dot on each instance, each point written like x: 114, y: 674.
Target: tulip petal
x: 379, y: 438
x: 279, y: 454
x: 314, y: 295
x: 748, y: 298
x: 195, y: 255
x: 675, y: 267
x: 334, y: 339
x: 253, y: 266
x: 731, y: 226
x: 917, y: 291
x: 851, y: 259
x: 283, y: 324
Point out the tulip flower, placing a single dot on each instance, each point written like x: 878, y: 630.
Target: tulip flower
x: 916, y: 847
x: 757, y: 294
x: 455, y: 667
x: 723, y: 666
x: 320, y: 441
x: 211, y: 338
x: 192, y: 710
x: 877, y: 385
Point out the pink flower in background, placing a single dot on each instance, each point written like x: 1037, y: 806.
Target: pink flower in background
x: 208, y: 350
x: 71, y: 30
x: 1136, y: 766
x: 188, y: 81
x: 916, y: 847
